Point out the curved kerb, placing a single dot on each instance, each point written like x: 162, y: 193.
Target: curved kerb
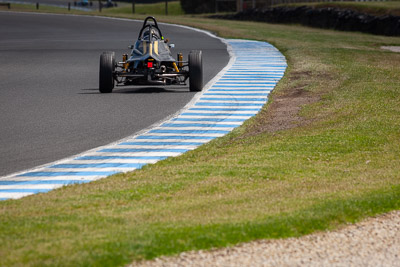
x: 237, y: 93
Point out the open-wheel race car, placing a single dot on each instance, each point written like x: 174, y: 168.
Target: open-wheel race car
x: 151, y: 63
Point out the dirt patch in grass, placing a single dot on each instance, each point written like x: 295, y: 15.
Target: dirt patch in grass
x: 283, y: 111
x: 391, y: 48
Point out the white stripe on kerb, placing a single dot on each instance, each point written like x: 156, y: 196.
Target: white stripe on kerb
x: 235, y: 94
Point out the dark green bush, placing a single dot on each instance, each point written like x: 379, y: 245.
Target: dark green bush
x: 206, y: 6
x: 198, y: 6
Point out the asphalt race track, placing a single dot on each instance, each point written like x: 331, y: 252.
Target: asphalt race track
x: 49, y: 101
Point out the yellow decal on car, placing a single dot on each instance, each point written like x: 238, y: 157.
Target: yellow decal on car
x: 156, y: 47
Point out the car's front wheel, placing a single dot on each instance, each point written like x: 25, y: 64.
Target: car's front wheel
x: 195, y: 71
x: 106, y: 77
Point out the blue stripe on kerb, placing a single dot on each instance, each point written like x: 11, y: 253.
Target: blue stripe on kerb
x: 242, y: 86
x: 33, y: 191
x: 227, y: 104
x: 261, y: 78
x: 225, y: 94
x: 218, y: 114
x: 239, y: 93
x: 190, y: 131
x: 55, y: 174
x: 252, y: 71
x: 161, y: 144
x: 177, y: 137
x: 226, y: 109
x: 263, y: 65
x: 36, y: 182
x: 252, y: 58
x: 130, y: 150
x: 121, y: 157
x: 245, y: 73
x: 263, y: 99
x: 97, y: 165
x: 200, y: 125
x: 241, y: 90
x: 246, y: 83
x: 209, y: 119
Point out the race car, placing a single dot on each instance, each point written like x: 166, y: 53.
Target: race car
x: 83, y: 3
x: 151, y: 63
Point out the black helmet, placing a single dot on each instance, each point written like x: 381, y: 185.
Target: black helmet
x: 154, y: 35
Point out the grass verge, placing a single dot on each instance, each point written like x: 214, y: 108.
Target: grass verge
x: 337, y: 162
x: 377, y: 8
x: 123, y: 9
x: 174, y: 9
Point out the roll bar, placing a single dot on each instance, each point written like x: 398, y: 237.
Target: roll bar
x: 150, y: 26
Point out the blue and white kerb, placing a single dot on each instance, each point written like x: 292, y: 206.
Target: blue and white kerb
x: 238, y: 94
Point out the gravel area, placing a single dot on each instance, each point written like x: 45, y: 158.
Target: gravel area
x: 392, y: 48
x: 374, y: 242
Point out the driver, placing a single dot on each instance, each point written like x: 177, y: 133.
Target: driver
x: 154, y: 35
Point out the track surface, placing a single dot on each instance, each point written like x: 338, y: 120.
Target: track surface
x: 50, y: 107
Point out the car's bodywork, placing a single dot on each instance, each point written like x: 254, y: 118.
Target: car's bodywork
x: 150, y: 63
x: 83, y: 3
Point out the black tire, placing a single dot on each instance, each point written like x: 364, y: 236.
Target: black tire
x: 106, y: 77
x: 195, y: 71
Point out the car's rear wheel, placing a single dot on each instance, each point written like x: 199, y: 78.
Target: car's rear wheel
x: 195, y: 71
x: 106, y: 78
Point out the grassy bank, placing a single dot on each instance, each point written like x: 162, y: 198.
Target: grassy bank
x: 174, y: 9
x: 331, y: 156
x: 378, y: 8
x: 123, y: 9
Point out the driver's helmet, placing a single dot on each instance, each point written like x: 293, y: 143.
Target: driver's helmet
x: 154, y: 35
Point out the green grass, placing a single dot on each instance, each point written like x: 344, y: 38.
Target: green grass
x: 42, y: 9
x: 378, y: 8
x: 174, y: 9
x: 341, y: 166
